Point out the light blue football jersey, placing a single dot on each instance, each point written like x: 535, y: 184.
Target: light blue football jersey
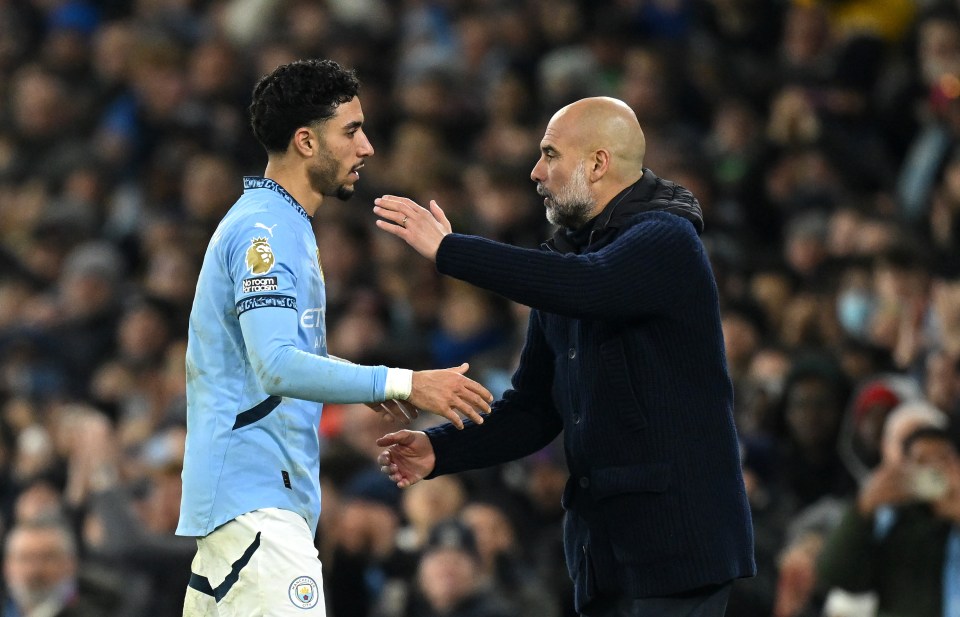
x: 257, y: 367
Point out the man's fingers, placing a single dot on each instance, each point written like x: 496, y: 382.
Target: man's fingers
x: 463, y: 368
x: 396, y: 411
x: 438, y: 213
x: 474, y: 402
x: 409, y: 410
x: 396, y: 201
x: 389, y: 227
x: 391, y: 439
x: 452, y: 415
x: 477, y: 401
x: 395, y: 208
x: 480, y: 391
x: 464, y: 408
x: 394, y: 216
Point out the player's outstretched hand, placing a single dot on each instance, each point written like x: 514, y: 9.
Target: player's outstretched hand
x: 448, y: 393
x: 408, y: 457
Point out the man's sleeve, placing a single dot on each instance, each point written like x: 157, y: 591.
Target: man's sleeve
x: 521, y: 423
x: 647, y: 270
x: 264, y: 259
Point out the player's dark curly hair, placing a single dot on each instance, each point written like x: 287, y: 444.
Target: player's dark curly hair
x: 295, y: 95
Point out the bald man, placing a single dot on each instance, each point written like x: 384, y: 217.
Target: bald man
x: 624, y: 354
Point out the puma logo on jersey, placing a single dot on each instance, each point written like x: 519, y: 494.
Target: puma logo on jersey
x: 269, y: 229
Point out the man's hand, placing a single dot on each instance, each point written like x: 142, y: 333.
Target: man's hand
x: 398, y: 410
x: 888, y: 485
x: 408, y: 457
x: 414, y: 224
x: 445, y: 392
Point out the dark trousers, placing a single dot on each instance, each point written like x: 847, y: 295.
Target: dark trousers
x: 711, y: 602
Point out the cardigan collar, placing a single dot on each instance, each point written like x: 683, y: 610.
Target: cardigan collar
x: 648, y: 194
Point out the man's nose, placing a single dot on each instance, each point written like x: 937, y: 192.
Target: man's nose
x: 366, y: 148
x: 535, y: 174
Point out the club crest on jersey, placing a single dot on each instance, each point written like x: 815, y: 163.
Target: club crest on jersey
x: 260, y: 257
x: 304, y: 593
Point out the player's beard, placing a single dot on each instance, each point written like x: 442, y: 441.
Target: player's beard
x: 324, y: 178
x: 572, y: 205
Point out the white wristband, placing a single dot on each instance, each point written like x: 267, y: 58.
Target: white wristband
x: 399, y: 384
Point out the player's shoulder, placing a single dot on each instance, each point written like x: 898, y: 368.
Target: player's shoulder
x: 258, y: 218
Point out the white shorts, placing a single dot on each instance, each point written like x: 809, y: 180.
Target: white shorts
x: 260, y: 564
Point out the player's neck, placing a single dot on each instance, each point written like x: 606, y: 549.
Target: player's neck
x: 296, y: 182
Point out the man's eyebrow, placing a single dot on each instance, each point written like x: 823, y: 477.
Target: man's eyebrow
x: 548, y: 149
x: 353, y: 125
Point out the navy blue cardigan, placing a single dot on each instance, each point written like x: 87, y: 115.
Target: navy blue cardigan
x: 624, y: 353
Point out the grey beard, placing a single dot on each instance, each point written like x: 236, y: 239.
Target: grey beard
x: 566, y: 210
x: 572, y: 205
x: 569, y: 215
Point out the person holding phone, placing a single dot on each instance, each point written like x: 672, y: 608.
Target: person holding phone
x: 901, y: 539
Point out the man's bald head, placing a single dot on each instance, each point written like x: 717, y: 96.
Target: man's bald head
x: 591, y: 150
x: 602, y: 122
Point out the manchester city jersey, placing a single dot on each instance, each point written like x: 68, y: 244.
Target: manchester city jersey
x: 257, y: 367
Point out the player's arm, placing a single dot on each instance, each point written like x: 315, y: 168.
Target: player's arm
x: 270, y: 332
x: 263, y: 256
x: 265, y: 274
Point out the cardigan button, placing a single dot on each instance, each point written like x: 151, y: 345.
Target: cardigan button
x: 584, y: 482
x: 572, y: 353
x: 576, y: 418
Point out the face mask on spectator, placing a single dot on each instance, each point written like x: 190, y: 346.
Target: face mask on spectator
x: 853, y: 310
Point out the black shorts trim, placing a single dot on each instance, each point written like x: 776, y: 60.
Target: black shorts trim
x: 202, y: 583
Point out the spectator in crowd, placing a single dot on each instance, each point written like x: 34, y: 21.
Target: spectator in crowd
x: 503, y: 563
x: 814, y: 398
x: 901, y: 540
x: 447, y: 584
x: 40, y: 568
x: 798, y: 591
x: 366, y: 560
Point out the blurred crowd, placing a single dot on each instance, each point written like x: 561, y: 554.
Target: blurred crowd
x: 822, y: 138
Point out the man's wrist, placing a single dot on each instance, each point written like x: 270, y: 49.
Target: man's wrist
x: 399, y: 384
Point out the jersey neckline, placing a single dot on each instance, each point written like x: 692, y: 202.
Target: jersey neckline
x: 259, y: 182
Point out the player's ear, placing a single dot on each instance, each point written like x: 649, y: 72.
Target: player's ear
x: 305, y: 141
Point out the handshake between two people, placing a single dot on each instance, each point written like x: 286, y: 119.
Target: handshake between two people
x: 409, y: 456
x: 445, y: 392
